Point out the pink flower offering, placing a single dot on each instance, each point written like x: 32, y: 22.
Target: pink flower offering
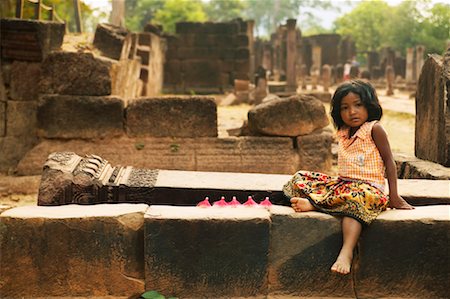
x: 266, y: 203
x: 204, y: 203
x: 220, y: 203
x: 250, y: 202
x: 234, y: 202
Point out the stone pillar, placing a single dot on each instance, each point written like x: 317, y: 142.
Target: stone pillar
x: 315, y: 73
x: 409, y: 64
x: 117, y: 16
x: 291, y: 54
x: 267, y: 57
x: 316, y: 57
x: 303, y: 75
x: 390, y: 77
x: 419, y: 59
x: 326, y: 77
x: 251, y: 47
x: 432, y: 135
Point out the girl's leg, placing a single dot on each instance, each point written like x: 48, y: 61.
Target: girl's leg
x: 351, y: 229
x: 300, y: 204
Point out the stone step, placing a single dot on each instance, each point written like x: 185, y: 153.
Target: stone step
x: 71, y: 179
x: 189, y: 252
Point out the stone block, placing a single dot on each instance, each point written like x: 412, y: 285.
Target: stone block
x: 170, y: 116
x: 113, y: 41
x: 125, y: 77
x: 202, y: 76
x: 72, y: 251
x: 410, y: 167
x: 315, y: 151
x: 172, y: 72
x: 24, y: 84
x: 30, y: 40
x: 12, y: 150
x: 193, y: 252
x: 404, y: 254
x: 294, y: 116
x: 432, y: 135
x: 2, y: 118
x: 3, y: 96
x: 62, y: 116
x: 68, y: 73
x: 21, y: 118
x: 303, y: 247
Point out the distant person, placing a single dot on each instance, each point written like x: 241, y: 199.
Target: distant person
x: 347, y: 69
x: 364, y: 155
x: 354, y: 69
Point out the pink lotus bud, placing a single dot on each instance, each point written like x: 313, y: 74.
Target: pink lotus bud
x: 204, y: 203
x: 266, y: 203
x: 250, y: 202
x: 234, y: 202
x: 220, y: 203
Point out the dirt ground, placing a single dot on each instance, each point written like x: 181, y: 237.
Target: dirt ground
x: 398, y: 119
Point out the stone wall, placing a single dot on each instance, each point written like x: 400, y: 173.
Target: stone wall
x: 206, y: 58
x: 24, y: 47
x: 432, y: 137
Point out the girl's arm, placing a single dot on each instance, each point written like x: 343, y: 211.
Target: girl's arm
x: 381, y: 141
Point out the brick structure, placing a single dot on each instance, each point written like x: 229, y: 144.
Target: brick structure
x: 207, y: 57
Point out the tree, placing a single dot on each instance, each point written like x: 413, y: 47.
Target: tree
x: 175, y: 11
x: 435, y: 33
x: 365, y: 24
x: 224, y: 10
x: 140, y: 12
x: 268, y: 14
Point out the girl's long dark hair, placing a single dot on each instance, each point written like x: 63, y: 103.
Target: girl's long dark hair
x: 366, y: 93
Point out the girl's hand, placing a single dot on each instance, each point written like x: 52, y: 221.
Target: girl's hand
x: 397, y: 202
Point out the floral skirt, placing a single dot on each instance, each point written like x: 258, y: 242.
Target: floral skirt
x: 336, y: 196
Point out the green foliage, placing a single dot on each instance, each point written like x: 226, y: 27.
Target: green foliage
x: 175, y: 11
x: 365, y: 24
x: 140, y: 12
x: 374, y: 24
x: 154, y: 295
x: 224, y: 10
x: 64, y: 9
x: 268, y: 14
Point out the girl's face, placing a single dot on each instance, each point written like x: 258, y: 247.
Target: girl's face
x: 353, y: 111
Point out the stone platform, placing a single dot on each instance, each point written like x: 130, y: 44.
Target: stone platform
x: 117, y: 250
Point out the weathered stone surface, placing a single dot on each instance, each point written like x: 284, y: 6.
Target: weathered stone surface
x: 315, y: 151
x: 432, y: 137
x: 155, y: 66
x: 62, y: 116
x: 125, y: 78
x: 302, y: 249
x: 12, y: 150
x: 113, y: 41
x: 72, y: 73
x: 252, y: 154
x: 323, y: 96
x: 72, y: 251
x: 202, y: 76
x: 171, y: 116
x: 25, y: 79
x: 194, y: 252
x: 409, y: 167
x: 30, y: 40
x: 425, y: 192
x: 3, y: 96
x: 294, y: 116
x: 2, y: 118
x: 21, y: 118
x: 71, y: 179
x: 404, y: 254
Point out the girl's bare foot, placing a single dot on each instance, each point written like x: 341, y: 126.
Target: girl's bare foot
x: 300, y: 204
x: 343, y: 263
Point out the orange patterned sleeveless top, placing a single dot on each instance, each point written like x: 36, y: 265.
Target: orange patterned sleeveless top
x: 358, y: 156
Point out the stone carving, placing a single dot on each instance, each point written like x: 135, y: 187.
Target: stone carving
x: 69, y: 178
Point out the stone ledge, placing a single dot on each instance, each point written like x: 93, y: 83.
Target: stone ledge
x: 193, y: 252
x: 72, y: 250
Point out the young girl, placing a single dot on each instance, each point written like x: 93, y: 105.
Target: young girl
x: 364, y: 154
